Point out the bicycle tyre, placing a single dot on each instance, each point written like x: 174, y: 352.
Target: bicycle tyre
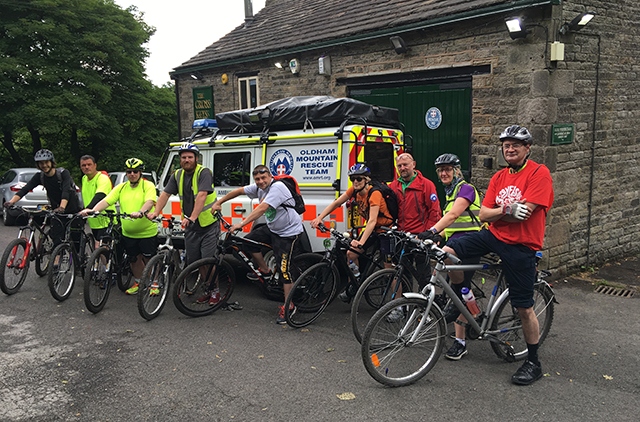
x: 124, y: 280
x: 507, y: 317
x: 374, y: 292
x: 385, y: 353
x: 44, y: 248
x: 11, y: 276
x: 311, y: 294
x: 189, y: 287
x: 62, y: 277
x: 160, y: 269
x: 97, y: 280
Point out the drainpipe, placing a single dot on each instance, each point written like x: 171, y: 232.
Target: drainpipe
x: 593, y: 148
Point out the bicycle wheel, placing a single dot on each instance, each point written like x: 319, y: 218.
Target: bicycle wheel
x: 62, y: 275
x: 311, y: 294
x: 14, y: 266
x: 154, y: 285
x: 97, y: 280
x: 125, y: 276
x: 374, y: 292
x: 44, y: 248
x: 506, y: 319
x: 194, y: 287
x: 389, y: 354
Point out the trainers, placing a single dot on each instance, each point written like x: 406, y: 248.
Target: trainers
x: 456, y: 351
x: 348, y: 293
x: 451, y: 313
x: 527, y: 374
x: 154, y: 289
x: 133, y: 290
x: 210, y: 298
x: 281, y: 320
x: 395, y: 315
x: 253, y: 277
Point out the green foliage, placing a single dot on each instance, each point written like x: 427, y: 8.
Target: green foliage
x: 72, y: 80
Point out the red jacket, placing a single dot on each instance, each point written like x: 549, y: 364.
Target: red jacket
x: 419, y: 206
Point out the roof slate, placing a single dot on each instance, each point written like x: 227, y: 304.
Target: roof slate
x: 288, y: 24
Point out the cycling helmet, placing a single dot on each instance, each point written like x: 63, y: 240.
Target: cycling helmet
x: 134, y: 164
x: 447, y: 159
x: 519, y: 133
x: 43, y: 155
x: 359, y: 169
x: 188, y: 146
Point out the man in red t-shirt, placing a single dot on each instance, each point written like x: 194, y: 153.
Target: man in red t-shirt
x: 516, y: 205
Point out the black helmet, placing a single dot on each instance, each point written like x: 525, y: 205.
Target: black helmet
x: 447, y: 159
x: 44, y: 155
x: 359, y: 169
x: 134, y: 164
x: 519, y: 133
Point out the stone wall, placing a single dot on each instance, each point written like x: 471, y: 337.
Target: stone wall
x: 524, y: 87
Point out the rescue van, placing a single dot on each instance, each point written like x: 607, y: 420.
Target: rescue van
x: 314, y: 139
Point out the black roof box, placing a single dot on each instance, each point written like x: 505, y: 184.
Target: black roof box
x: 306, y: 112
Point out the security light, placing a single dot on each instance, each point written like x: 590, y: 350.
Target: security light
x: 577, y: 23
x: 516, y: 28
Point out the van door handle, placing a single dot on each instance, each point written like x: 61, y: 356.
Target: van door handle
x: 239, y: 210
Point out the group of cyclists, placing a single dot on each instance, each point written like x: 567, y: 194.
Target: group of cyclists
x: 509, y: 221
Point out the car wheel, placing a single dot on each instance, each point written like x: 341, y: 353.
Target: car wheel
x: 7, y: 220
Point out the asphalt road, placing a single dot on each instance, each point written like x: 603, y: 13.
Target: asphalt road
x: 60, y: 362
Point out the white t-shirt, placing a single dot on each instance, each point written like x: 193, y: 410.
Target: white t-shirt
x: 283, y: 221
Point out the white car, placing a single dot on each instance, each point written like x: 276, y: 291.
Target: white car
x: 10, y: 183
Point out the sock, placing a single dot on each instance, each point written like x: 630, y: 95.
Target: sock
x: 461, y: 341
x: 533, y: 353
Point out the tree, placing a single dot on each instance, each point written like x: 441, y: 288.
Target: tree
x: 72, y: 80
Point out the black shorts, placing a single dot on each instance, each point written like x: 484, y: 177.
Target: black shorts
x: 284, y: 249
x: 146, y: 247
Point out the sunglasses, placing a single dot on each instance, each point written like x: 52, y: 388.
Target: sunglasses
x: 357, y: 179
x: 261, y: 171
x: 132, y: 171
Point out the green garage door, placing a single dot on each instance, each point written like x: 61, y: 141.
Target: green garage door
x: 437, y: 117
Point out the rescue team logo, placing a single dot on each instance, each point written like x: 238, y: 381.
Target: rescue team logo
x: 281, y: 162
x: 433, y: 118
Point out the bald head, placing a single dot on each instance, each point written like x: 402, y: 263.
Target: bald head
x: 406, y: 166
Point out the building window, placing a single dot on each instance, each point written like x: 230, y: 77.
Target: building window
x: 231, y: 169
x: 249, y: 94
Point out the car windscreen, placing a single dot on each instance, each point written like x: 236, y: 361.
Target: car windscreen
x: 25, y: 177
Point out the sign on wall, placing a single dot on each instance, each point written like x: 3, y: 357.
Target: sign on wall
x: 433, y: 118
x: 561, y: 134
x: 203, y: 103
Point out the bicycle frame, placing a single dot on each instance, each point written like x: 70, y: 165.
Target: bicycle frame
x: 32, y: 228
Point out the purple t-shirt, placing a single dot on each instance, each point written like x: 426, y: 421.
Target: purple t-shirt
x: 467, y: 192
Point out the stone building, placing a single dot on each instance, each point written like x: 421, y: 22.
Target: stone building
x: 576, y: 88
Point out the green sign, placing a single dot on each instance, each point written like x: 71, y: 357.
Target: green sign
x: 562, y: 134
x: 203, y: 103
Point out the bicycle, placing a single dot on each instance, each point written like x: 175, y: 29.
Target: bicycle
x: 199, y: 278
x: 317, y: 286
x: 161, y: 271
x: 33, y: 243
x: 69, y: 260
x: 398, y: 352
x: 107, y: 265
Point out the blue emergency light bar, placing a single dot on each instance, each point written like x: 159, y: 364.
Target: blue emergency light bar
x: 204, y: 123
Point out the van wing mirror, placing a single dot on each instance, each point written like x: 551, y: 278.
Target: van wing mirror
x: 336, y: 184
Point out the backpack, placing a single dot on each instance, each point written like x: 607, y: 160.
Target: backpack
x: 58, y: 175
x: 389, y: 197
x: 291, y: 184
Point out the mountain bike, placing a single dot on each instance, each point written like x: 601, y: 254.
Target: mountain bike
x: 107, y: 265
x: 32, y: 244
x: 201, y: 277
x: 317, y: 286
x: 161, y: 270
x: 400, y: 351
x: 69, y: 259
